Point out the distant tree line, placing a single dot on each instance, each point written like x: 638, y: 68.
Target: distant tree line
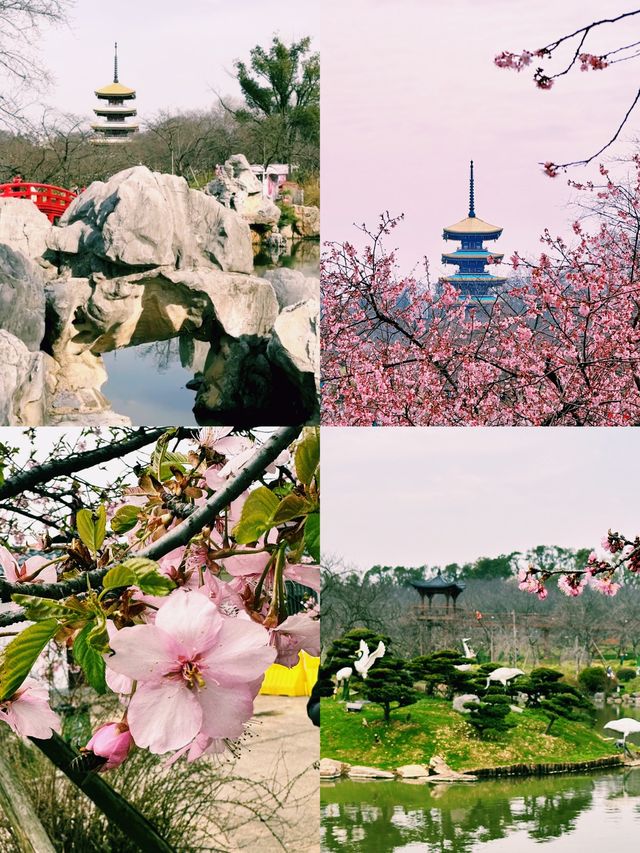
x: 503, y: 623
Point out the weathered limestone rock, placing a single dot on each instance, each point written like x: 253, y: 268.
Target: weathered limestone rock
x: 441, y: 772
x: 236, y: 187
x: 292, y: 286
x: 412, y: 771
x: 331, y: 769
x: 23, y: 226
x: 103, y: 314
x: 23, y: 383
x: 22, y: 302
x: 361, y: 772
x: 459, y: 702
x: 143, y: 219
x: 307, y: 222
x: 295, y: 348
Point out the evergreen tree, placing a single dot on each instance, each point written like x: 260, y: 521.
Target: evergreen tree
x: 390, y: 684
x: 489, y: 714
x: 439, y: 669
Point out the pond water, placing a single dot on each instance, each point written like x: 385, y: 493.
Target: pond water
x: 148, y: 382
x: 565, y: 813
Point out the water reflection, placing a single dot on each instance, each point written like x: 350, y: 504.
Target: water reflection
x: 148, y: 383
x: 566, y: 812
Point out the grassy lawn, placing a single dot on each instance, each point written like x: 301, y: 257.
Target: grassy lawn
x: 432, y: 727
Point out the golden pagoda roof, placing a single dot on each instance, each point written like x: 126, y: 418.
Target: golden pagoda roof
x: 115, y: 90
x: 473, y: 225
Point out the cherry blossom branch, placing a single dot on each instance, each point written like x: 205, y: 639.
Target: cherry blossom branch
x: 552, y: 169
x: 587, y: 61
x: 77, y: 462
x: 180, y: 535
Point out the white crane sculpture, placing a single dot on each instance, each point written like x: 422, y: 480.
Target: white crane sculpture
x: 364, y: 661
x: 343, y: 675
x: 503, y: 674
x: 469, y: 655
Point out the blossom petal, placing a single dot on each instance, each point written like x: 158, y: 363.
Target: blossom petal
x: 225, y: 710
x: 241, y: 652
x: 191, y: 618
x: 142, y: 652
x: 164, y: 716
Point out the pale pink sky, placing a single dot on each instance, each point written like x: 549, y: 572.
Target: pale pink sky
x: 175, y: 54
x: 410, y: 94
x: 410, y: 496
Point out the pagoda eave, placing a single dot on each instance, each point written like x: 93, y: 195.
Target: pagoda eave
x: 448, y: 234
x: 456, y: 257
x: 464, y: 280
x: 127, y: 112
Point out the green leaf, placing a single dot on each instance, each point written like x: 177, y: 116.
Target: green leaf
x: 21, y: 654
x: 293, y: 506
x: 140, y: 565
x: 143, y: 573
x: 90, y: 659
x: 92, y: 527
x: 308, y: 456
x: 119, y: 576
x: 256, y: 515
x: 125, y: 518
x: 98, y: 637
x: 38, y: 609
x: 153, y: 583
x: 312, y: 535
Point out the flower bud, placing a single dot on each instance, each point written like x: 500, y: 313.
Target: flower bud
x: 113, y: 742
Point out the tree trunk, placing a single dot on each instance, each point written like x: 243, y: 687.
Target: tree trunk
x: 113, y: 805
x: 387, y: 712
x: 26, y: 829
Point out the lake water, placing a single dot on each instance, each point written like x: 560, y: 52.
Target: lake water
x: 148, y: 382
x: 563, y: 813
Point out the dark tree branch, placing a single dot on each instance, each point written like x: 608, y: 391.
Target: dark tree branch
x: 77, y: 462
x: 180, y: 535
x: 114, y: 806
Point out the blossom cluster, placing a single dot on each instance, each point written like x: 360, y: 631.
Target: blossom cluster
x: 184, y: 642
x: 599, y: 573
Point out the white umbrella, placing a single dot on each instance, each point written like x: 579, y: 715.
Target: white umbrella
x: 626, y: 726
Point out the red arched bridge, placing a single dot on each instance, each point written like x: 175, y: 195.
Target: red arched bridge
x: 52, y: 201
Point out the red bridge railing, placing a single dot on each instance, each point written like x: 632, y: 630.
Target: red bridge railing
x: 52, y: 201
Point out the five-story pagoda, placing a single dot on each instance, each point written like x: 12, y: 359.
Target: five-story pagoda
x: 116, y: 111
x: 472, y: 279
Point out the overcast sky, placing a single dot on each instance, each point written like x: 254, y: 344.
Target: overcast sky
x: 410, y: 94
x: 409, y: 496
x: 175, y: 54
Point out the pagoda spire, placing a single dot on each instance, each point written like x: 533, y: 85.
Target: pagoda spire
x: 472, y: 212
x: 115, y: 67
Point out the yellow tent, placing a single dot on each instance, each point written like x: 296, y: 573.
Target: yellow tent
x: 297, y: 681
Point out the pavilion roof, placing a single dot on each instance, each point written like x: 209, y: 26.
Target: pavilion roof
x: 438, y: 583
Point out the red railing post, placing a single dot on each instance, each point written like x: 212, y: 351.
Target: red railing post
x: 51, y: 200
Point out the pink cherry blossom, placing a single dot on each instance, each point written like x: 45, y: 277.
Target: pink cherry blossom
x: 572, y: 584
x: 605, y: 585
x: 195, y: 669
x: 113, y: 742
x: 30, y: 571
x: 27, y: 712
x: 298, y: 632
